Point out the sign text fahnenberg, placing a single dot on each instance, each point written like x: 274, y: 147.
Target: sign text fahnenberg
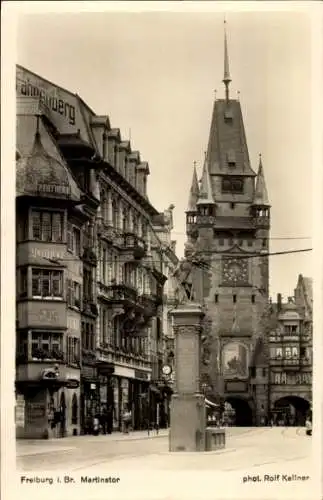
x: 27, y: 88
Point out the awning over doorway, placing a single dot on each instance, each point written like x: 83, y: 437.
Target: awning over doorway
x: 210, y: 404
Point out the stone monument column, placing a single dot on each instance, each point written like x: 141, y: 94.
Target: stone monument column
x: 188, y: 414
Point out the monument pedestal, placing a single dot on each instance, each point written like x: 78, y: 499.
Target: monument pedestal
x: 188, y: 416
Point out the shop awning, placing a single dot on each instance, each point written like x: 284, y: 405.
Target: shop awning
x: 154, y: 388
x: 210, y: 404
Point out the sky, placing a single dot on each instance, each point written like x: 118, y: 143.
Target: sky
x: 155, y: 74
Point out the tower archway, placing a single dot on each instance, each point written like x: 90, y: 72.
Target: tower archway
x: 292, y: 410
x: 243, y: 411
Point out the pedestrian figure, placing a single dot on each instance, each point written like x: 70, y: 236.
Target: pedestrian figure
x: 109, y: 418
x: 103, y: 420
x: 96, y: 425
x: 126, y: 420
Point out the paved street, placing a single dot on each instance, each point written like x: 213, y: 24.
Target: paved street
x: 144, y: 465
x: 245, y: 447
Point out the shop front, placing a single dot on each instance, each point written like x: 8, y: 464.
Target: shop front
x: 47, y: 403
x: 130, y: 389
x: 89, y: 397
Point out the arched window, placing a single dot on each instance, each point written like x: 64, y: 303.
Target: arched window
x: 74, y: 410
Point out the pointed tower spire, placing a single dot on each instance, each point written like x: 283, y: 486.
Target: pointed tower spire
x: 261, y: 195
x: 194, y: 192
x: 226, y: 78
x: 206, y: 196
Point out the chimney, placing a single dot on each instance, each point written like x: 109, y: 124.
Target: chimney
x: 279, y: 301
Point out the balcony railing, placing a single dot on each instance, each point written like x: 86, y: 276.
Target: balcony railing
x: 130, y: 242
x: 107, y: 232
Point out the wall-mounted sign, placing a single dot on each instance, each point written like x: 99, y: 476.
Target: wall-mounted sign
x: 57, y: 189
x: 236, y: 386
x: 30, y: 85
x: 20, y: 411
x: 48, y: 316
x: 35, y: 411
x: 73, y: 383
x: 48, y: 253
x: 142, y: 375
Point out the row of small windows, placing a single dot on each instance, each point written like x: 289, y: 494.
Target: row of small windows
x: 234, y: 298
x: 289, y: 352
x: 241, y: 242
x: 50, y: 226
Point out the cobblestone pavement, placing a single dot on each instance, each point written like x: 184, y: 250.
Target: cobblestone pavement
x: 244, y: 447
x: 139, y: 461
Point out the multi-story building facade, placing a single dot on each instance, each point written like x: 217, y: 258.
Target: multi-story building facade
x: 51, y: 212
x: 162, y: 227
x: 290, y: 355
x: 228, y: 224
x: 97, y: 262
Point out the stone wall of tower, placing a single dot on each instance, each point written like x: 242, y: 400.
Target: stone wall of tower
x: 221, y: 308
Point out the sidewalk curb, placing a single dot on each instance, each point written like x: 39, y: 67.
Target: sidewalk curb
x: 39, y: 451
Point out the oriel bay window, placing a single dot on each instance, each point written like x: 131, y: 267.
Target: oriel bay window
x: 47, y: 345
x: 47, y: 284
x: 47, y: 225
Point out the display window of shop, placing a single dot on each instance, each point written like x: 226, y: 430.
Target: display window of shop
x: 47, y: 345
x: 47, y: 225
x: 72, y: 350
x: 73, y: 294
x: 47, y: 284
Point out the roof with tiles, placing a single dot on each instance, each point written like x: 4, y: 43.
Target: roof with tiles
x: 205, y: 191
x: 227, y: 139
x: 38, y: 169
x: 194, y: 193
x: 261, y: 194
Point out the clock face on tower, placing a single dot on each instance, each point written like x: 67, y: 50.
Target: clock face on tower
x: 235, y: 272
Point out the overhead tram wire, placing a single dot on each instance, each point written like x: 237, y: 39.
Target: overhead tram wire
x: 236, y: 256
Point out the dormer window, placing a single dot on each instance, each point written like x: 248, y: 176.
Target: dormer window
x: 231, y: 158
x: 228, y: 115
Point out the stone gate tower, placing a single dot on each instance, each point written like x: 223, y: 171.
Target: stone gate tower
x: 228, y: 223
